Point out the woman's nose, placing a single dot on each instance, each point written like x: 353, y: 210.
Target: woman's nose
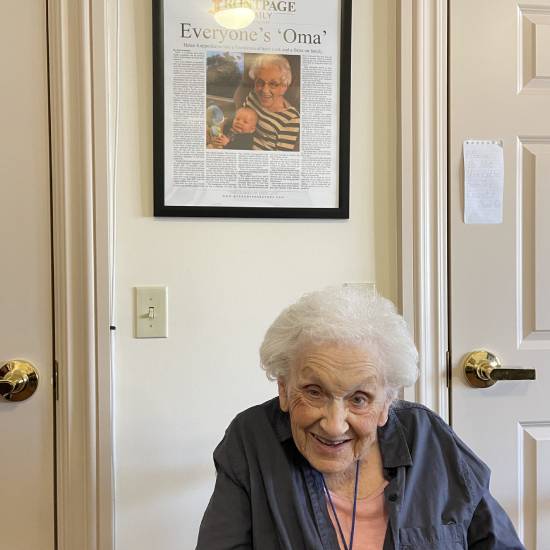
x: 334, y: 422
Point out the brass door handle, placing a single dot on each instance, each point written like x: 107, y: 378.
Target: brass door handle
x: 18, y: 380
x: 483, y: 369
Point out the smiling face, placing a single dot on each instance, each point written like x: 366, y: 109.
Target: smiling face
x: 270, y: 88
x: 245, y: 121
x: 336, y: 402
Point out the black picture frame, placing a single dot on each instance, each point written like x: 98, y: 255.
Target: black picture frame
x: 340, y: 113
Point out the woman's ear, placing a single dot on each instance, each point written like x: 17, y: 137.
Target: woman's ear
x: 283, y: 395
x: 383, y: 417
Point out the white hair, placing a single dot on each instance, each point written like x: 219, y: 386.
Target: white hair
x: 344, y: 315
x: 272, y: 60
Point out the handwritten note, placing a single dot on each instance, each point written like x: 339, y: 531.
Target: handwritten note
x: 483, y: 181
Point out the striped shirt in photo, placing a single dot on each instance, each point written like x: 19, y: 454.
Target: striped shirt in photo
x: 275, y: 131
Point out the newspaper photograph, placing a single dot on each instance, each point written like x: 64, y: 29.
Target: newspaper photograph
x: 251, y: 117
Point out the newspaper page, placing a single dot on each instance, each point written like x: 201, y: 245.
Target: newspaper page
x: 251, y: 116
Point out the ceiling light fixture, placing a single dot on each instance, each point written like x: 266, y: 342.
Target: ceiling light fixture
x: 233, y: 15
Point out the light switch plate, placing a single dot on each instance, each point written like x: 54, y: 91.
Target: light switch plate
x: 366, y: 285
x: 151, y: 314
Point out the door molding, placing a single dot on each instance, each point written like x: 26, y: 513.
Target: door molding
x: 423, y: 176
x: 80, y: 212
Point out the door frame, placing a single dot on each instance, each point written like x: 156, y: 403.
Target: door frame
x: 422, y: 130
x: 81, y: 138
x: 80, y: 144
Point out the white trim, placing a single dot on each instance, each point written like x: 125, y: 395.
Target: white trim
x: 423, y: 148
x: 80, y: 212
x: 102, y: 145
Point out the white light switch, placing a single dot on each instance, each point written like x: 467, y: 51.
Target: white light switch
x: 151, y: 314
x: 367, y: 286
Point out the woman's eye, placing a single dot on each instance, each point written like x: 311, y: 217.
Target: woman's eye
x: 313, y: 392
x: 359, y: 400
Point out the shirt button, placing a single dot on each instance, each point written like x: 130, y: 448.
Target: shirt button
x: 392, y: 497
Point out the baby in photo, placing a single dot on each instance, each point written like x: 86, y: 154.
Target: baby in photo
x: 241, y: 133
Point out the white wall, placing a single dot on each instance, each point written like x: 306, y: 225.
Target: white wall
x: 227, y: 280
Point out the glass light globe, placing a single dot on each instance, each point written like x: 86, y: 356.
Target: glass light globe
x: 234, y: 18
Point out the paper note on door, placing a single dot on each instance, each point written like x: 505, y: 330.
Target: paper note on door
x: 483, y: 181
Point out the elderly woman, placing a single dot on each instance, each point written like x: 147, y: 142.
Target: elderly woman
x: 336, y: 462
x: 278, y: 126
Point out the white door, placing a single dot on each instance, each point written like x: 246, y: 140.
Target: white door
x: 26, y: 427
x: 500, y: 274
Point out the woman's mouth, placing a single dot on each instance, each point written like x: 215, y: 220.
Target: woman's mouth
x: 330, y: 443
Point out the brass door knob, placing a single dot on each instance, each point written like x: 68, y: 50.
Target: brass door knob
x: 483, y: 369
x: 18, y: 380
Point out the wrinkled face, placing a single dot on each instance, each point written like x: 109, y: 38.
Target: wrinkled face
x: 269, y: 87
x: 336, y: 402
x: 245, y: 121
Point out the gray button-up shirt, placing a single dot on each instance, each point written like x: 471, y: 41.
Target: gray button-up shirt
x: 268, y: 497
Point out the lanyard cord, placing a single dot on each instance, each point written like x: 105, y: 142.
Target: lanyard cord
x: 346, y: 547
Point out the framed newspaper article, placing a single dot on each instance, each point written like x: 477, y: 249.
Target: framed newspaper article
x: 251, y: 117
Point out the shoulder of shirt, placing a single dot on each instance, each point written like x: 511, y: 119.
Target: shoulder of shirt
x: 260, y: 417
x: 416, y: 416
x: 416, y: 410
x: 257, y: 428
x: 263, y: 408
x: 418, y: 419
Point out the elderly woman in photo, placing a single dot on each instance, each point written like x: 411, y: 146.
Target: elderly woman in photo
x: 278, y: 126
x: 336, y: 462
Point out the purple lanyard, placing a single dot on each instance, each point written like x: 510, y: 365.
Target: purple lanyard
x: 346, y: 547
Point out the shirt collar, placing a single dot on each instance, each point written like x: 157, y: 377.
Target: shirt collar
x: 281, y: 422
x: 393, y: 443
x: 391, y: 437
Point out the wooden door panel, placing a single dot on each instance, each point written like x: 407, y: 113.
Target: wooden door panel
x: 500, y: 274
x: 26, y: 449
x: 534, y: 227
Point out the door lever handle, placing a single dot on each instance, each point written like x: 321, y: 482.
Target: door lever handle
x: 483, y: 369
x: 510, y: 374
